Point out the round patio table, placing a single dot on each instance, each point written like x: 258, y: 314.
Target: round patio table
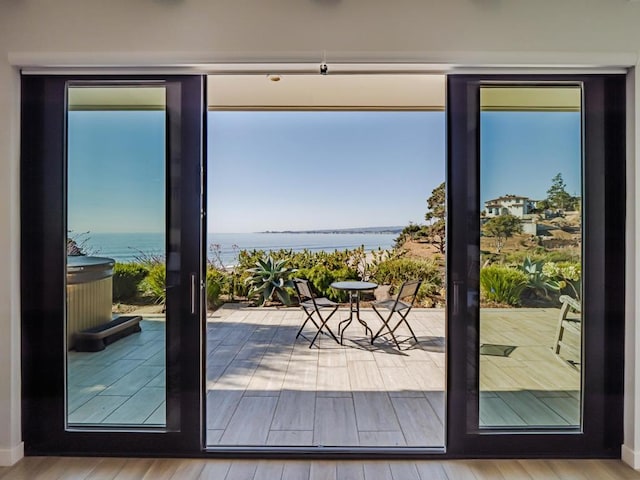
x: 354, y: 288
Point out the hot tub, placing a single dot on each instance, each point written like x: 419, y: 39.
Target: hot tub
x: 89, y: 293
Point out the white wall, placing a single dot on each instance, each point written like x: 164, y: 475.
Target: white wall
x: 116, y: 32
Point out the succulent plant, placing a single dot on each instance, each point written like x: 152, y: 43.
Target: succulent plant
x: 268, y: 278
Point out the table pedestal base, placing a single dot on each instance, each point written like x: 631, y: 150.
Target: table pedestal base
x: 354, y: 308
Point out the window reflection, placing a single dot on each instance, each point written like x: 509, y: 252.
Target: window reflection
x: 531, y: 268
x: 115, y: 319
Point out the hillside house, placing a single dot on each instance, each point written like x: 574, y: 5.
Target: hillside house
x: 515, y: 205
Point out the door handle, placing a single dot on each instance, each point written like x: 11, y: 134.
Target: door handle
x: 456, y: 296
x: 194, y: 293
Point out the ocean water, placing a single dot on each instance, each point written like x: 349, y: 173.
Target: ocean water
x: 126, y: 247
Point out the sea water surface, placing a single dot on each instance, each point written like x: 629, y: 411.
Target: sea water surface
x: 126, y: 247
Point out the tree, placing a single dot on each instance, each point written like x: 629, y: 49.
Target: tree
x: 501, y: 228
x: 436, y: 216
x: 410, y: 232
x: 557, y: 195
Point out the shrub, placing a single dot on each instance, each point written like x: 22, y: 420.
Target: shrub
x: 502, y: 284
x: 398, y: 270
x: 395, y: 271
x: 126, y: 280
x: 321, y: 277
x: 540, y: 254
x: 215, y: 282
x: 155, y: 283
x: 566, y: 277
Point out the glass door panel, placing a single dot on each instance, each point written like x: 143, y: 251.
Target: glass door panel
x: 536, y: 258
x: 530, y: 256
x: 111, y: 344
x: 115, y: 281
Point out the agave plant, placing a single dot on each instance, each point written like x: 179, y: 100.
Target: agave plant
x: 268, y: 278
x: 538, y: 282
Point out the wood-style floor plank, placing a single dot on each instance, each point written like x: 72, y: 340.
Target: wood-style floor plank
x: 323, y: 470
x: 350, y: 471
x: 357, y: 368
x: 106, y: 469
x: 242, y: 471
x: 431, y: 470
x: 67, y: 468
x: 377, y: 471
x: 397, y: 397
x: 250, y: 423
x: 404, y: 470
x: 215, y: 470
x: 296, y: 470
x: 335, y: 422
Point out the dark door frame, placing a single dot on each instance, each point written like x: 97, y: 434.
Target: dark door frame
x: 42, y: 246
x: 603, y: 274
x: 43, y: 265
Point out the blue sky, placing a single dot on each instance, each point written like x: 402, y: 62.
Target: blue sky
x: 116, y: 165
x: 316, y: 170
x: 520, y: 152
x: 306, y: 170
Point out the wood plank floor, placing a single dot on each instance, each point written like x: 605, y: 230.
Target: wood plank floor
x: 40, y: 468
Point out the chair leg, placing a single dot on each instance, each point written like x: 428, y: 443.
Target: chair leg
x: 385, y: 324
x: 309, y: 317
x: 323, y: 324
x: 560, y: 328
x: 403, y: 319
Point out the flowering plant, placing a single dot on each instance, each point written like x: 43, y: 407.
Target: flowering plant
x: 563, y: 275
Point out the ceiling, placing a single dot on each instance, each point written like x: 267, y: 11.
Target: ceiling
x: 416, y: 92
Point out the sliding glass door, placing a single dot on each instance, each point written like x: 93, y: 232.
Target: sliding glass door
x: 536, y: 203
x: 111, y: 262
x: 528, y: 321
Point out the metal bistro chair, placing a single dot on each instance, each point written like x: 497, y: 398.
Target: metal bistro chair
x: 401, y: 305
x: 313, y: 306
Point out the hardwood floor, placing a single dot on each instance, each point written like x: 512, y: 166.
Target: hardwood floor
x: 41, y: 468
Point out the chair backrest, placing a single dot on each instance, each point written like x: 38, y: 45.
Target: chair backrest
x: 409, y: 290
x: 302, y: 289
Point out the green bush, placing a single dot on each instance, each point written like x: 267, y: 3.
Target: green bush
x: 539, y: 255
x: 395, y: 271
x: 155, y: 284
x: 216, y: 280
x: 321, y: 277
x: 398, y: 270
x: 502, y: 284
x: 126, y: 280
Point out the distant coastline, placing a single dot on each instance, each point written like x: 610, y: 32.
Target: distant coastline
x: 128, y: 247
x: 367, y: 230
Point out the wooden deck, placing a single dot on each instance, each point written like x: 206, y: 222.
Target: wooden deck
x: 264, y: 387
x: 121, y: 385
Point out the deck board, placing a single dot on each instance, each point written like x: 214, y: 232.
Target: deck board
x: 265, y: 387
